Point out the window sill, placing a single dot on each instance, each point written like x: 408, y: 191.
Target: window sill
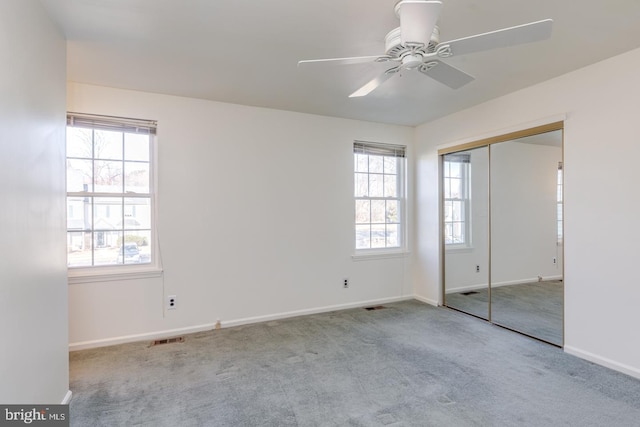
x: 373, y: 255
x: 458, y: 249
x: 106, y: 274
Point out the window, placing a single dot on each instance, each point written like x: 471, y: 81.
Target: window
x: 559, y: 202
x: 456, y: 199
x: 110, y: 194
x: 379, y: 195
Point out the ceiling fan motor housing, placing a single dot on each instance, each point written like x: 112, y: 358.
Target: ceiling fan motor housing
x: 393, y: 43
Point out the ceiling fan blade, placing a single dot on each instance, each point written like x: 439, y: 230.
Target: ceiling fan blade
x: 375, y: 83
x: 346, y: 61
x: 446, y: 74
x: 417, y: 20
x: 526, y: 33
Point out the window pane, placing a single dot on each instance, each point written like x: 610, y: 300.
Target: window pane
x: 392, y: 212
x: 362, y: 163
x: 108, y: 176
x: 142, y: 239
x: 457, y: 211
x: 362, y: 184
x: 107, y: 144
x: 78, y: 213
x: 137, y: 213
x: 79, y: 175
x: 392, y: 236
x: 136, y: 178
x: 390, y: 186
x: 447, y: 188
x: 136, y: 248
x: 378, y: 236
x: 107, y: 213
x: 448, y: 210
x: 79, y: 142
x: 376, y: 185
x: 363, y: 211
x: 363, y: 238
x: 390, y: 165
x: 78, y: 249
x: 458, y: 232
x: 377, y: 211
x: 456, y: 188
x: 448, y: 233
x: 455, y: 169
x: 376, y: 164
x: 106, y: 247
x: 136, y: 147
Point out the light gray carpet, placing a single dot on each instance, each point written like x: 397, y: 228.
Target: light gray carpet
x: 535, y: 309
x: 407, y: 365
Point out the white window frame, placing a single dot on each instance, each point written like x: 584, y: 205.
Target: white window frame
x: 387, y: 151
x: 99, y: 273
x: 465, y: 180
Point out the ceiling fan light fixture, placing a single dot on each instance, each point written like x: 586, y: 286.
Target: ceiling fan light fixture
x: 417, y: 19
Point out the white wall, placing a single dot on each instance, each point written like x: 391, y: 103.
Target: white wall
x: 34, y: 363
x: 255, y: 219
x: 601, y: 232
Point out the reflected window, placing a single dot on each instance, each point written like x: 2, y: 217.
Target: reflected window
x: 379, y: 195
x: 559, y: 199
x: 109, y: 191
x: 457, y: 170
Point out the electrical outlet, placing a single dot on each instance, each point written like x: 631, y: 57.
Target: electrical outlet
x: 172, y: 302
x: 345, y: 283
x: 555, y: 260
x: 477, y: 269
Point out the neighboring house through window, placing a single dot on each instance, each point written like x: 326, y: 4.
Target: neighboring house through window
x: 110, y: 194
x: 379, y: 196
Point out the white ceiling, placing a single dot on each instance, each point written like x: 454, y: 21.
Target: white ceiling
x: 246, y: 51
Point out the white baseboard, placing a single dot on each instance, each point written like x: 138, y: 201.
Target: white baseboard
x: 67, y: 398
x: 498, y: 284
x: 285, y: 315
x: 84, y: 345
x: 426, y: 300
x: 603, y: 361
x: 466, y: 288
x: 523, y: 281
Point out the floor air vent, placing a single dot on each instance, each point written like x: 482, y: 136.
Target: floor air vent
x: 167, y: 341
x: 377, y: 307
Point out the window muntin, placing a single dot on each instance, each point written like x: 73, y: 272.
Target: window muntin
x: 109, y: 191
x: 456, y: 199
x: 379, y: 196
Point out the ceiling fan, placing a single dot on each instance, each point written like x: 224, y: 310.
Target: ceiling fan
x: 415, y: 45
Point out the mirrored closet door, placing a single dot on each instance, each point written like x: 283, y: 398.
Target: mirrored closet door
x: 502, y: 232
x: 465, y: 185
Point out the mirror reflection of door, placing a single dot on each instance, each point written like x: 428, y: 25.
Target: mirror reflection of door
x: 465, y: 191
x: 526, y: 236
